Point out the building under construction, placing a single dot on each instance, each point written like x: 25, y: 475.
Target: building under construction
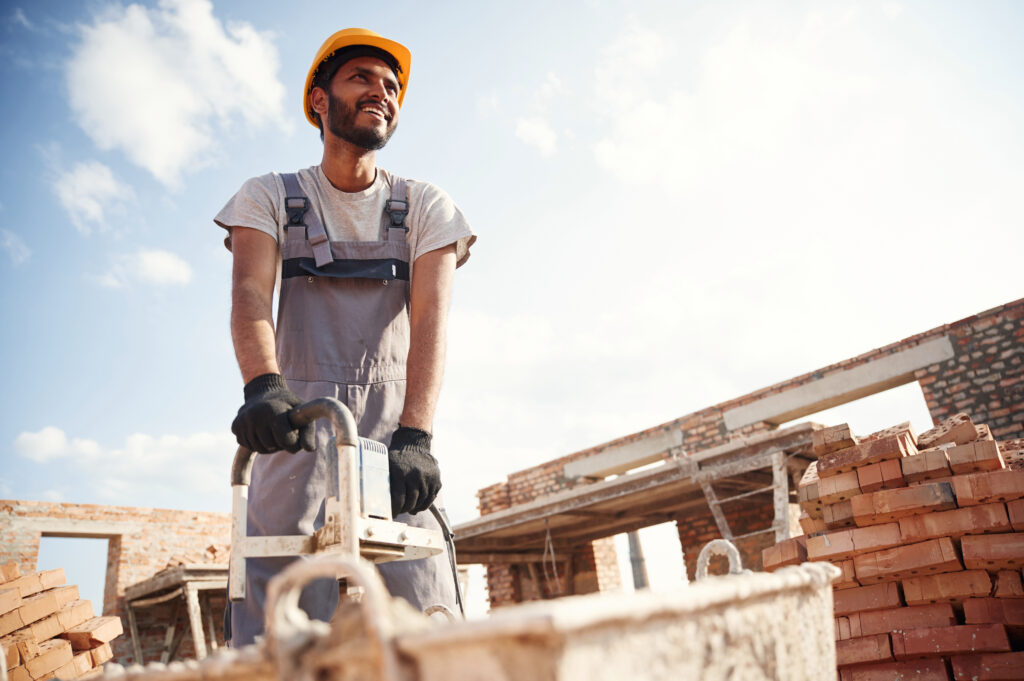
x: 726, y: 471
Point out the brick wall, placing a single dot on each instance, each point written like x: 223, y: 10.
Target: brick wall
x: 140, y: 542
x: 985, y: 378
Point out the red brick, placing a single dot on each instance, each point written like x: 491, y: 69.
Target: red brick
x: 836, y: 488
x: 892, y: 504
x: 1009, y: 611
x: 910, y: 617
x: 983, y: 488
x: 1008, y: 585
x: 913, y: 670
x: 1015, y: 511
x: 851, y: 458
x: 9, y: 571
x: 927, y: 464
x: 975, y: 457
x: 842, y: 629
x: 807, y: 492
x: 929, y: 557
x: 904, y: 429
x: 839, y: 515
x: 864, y: 649
x: 956, y: 523
x: 38, y: 606
x: 993, y: 551
x: 951, y: 587
x: 54, y: 654
x: 847, y: 580
x: 988, y: 667
x: 936, y: 641
x: 832, y: 438
x: 9, y: 600
x: 811, y: 525
x: 874, y: 597
x: 787, y: 552
x: 884, y: 475
x: 26, y: 585
x: 843, y: 544
x: 957, y: 429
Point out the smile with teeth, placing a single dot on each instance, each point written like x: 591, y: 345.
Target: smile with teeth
x: 374, y: 111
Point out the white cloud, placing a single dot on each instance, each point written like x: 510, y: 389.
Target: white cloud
x: 145, y: 470
x: 161, y: 84
x: 637, y: 51
x: 52, y: 443
x: 536, y: 132
x: 550, y: 90
x: 158, y: 268
x: 15, y: 247
x: 53, y: 495
x: 90, y: 193
x: 18, y: 17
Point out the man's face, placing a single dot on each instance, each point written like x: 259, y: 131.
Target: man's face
x: 363, y: 103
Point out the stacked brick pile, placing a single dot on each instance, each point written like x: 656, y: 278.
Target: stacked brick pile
x: 929, y: 534
x: 46, y: 632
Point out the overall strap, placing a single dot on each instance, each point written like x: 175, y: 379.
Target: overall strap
x: 296, y: 207
x: 396, y: 209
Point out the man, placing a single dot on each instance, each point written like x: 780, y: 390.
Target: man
x: 365, y: 263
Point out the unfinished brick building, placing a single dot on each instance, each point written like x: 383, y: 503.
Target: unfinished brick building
x: 140, y: 544
x: 559, y: 517
x: 729, y: 470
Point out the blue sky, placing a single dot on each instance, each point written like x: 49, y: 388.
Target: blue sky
x: 676, y: 202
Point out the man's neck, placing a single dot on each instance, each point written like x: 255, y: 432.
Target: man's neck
x: 348, y: 167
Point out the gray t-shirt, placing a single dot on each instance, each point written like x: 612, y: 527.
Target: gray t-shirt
x: 434, y: 221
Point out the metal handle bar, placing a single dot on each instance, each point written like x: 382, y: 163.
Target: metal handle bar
x: 321, y: 407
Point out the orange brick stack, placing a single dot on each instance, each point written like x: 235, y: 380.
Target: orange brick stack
x: 46, y: 632
x: 929, y: 533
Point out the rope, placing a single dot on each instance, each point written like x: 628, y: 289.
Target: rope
x: 549, y: 546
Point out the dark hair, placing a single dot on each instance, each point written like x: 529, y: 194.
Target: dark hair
x: 325, y: 71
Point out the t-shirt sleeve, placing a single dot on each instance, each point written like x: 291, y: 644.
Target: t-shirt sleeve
x: 255, y: 205
x: 438, y: 223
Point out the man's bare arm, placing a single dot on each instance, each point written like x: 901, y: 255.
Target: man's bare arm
x: 252, y: 294
x: 429, y: 298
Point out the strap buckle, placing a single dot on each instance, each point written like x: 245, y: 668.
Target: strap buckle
x: 397, y: 214
x: 295, y: 207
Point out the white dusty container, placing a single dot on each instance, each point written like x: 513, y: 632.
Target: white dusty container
x: 737, y: 627
x: 746, y: 627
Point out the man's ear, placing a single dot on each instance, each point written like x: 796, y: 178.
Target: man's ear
x: 319, y: 100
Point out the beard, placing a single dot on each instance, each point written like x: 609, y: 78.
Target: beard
x: 343, y: 124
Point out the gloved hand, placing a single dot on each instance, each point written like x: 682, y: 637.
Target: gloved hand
x: 262, y: 423
x: 415, y: 477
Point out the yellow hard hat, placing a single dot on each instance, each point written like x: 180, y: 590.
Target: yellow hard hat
x: 357, y: 36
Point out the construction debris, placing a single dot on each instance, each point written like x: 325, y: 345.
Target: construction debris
x: 929, y: 534
x: 46, y: 631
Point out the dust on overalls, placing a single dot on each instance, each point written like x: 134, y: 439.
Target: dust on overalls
x: 342, y: 332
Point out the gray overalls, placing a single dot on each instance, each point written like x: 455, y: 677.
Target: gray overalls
x: 342, y: 332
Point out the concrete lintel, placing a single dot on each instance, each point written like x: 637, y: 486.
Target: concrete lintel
x: 75, y: 527
x: 841, y: 387
x: 622, y: 458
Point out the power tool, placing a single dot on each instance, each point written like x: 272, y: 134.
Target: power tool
x: 357, y: 508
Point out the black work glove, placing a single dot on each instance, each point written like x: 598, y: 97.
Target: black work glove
x: 415, y: 477
x: 262, y: 423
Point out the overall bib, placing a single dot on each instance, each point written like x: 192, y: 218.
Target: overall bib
x: 342, y: 332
